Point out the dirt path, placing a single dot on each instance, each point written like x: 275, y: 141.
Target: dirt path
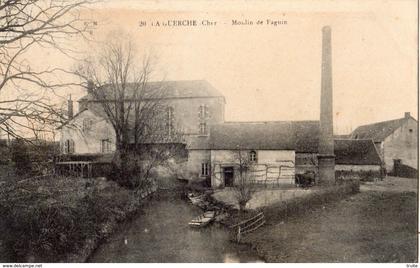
x: 377, y: 225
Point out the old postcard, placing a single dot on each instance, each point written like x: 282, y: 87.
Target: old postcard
x: 208, y: 131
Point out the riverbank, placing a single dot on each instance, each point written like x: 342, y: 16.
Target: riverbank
x: 370, y: 226
x: 61, y: 219
x: 160, y: 233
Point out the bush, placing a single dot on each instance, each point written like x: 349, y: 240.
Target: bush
x: 132, y: 172
x: 197, y: 185
x: 20, y: 157
x: 46, y: 220
x: 368, y: 175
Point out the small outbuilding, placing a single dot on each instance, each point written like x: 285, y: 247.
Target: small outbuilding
x: 357, y: 157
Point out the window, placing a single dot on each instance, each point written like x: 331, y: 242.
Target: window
x: 169, y: 120
x: 253, y: 156
x: 105, y: 146
x: 203, y: 111
x: 203, y: 129
x: 87, y: 124
x: 68, y: 146
x: 205, y: 169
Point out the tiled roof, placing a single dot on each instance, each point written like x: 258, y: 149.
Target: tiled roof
x: 378, y: 131
x: 356, y: 152
x: 301, y: 136
x: 172, y: 89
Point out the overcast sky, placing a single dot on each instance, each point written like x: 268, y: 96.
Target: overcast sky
x: 271, y: 72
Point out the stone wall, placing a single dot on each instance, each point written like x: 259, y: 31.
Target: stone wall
x: 402, y: 144
x: 271, y: 167
x: 195, y: 159
x: 357, y: 168
x: 87, y: 140
x: 186, y: 112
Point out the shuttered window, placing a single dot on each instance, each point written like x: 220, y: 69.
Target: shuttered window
x: 87, y: 124
x: 205, y: 169
x: 68, y: 146
x: 203, y: 128
x: 105, y: 146
x: 169, y: 120
x: 253, y: 156
x: 203, y: 111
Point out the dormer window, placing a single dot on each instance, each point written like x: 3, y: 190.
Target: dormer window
x: 253, y: 156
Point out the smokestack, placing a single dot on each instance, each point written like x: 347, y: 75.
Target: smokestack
x: 326, y: 158
x: 70, y: 108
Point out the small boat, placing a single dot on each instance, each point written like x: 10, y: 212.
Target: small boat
x: 203, y: 219
x: 196, y: 200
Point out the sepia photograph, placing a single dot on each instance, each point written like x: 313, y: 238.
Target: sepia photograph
x: 208, y: 132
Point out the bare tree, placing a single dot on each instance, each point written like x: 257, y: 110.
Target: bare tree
x: 244, y: 186
x: 26, y: 25
x: 134, y: 106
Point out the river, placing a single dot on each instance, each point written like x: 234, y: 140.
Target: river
x: 160, y: 233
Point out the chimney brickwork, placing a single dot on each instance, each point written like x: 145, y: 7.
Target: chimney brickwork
x: 70, y: 108
x: 326, y: 158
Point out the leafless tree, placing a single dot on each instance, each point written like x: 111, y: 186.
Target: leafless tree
x: 134, y: 106
x: 27, y: 25
x: 244, y: 186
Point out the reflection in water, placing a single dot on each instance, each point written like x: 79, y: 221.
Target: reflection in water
x: 161, y: 234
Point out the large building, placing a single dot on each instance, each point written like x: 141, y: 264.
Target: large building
x: 191, y: 107
x: 395, y: 140
x: 215, y: 148
x: 278, y: 150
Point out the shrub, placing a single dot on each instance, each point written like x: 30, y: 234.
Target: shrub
x: 197, y: 185
x: 46, y: 220
x: 20, y: 157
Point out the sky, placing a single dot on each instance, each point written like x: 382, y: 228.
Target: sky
x: 269, y: 72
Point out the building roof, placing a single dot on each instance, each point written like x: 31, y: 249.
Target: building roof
x: 356, y: 152
x: 172, y: 90
x: 301, y: 136
x: 379, y: 131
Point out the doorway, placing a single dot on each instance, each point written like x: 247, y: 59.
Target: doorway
x: 228, y: 175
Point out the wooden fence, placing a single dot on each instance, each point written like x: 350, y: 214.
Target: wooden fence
x: 248, y: 225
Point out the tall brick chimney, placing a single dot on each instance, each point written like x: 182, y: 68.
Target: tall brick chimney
x: 326, y: 158
x: 70, y: 108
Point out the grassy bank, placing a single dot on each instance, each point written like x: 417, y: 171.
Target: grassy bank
x: 319, y: 196
x: 366, y: 227
x: 60, y: 219
x: 294, y: 203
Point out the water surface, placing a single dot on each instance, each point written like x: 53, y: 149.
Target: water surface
x: 160, y: 233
